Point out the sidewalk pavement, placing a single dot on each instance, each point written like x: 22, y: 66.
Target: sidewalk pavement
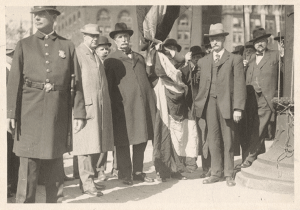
x: 171, y: 193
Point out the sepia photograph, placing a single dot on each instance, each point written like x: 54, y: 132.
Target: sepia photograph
x: 144, y: 105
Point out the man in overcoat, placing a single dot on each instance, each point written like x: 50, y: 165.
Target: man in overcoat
x: 133, y: 105
x: 97, y: 136
x: 220, y: 100
x: 261, y: 81
x: 39, y: 102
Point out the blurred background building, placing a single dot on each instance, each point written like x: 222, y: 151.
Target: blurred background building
x: 188, y: 29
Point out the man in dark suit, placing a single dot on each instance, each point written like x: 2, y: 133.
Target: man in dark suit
x: 261, y: 81
x: 133, y: 105
x: 38, y: 105
x: 220, y: 100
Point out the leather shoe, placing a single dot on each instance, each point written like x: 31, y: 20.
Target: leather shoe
x: 142, y: 177
x: 230, y: 181
x: 114, y: 172
x: 66, y: 178
x: 177, y: 175
x: 128, y: 182
x: 99, y: 186
x: 76, y: 176
x: 211, y: 180
x: 244, y: 165
x: 102, y: 176
x: 159, y: 178
x: 93, y: 192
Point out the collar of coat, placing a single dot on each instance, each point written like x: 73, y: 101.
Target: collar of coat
x: 263, y: 61
x: 41, y: 35
x: 224, y: 58
x: 87, y: 51
x: 123, y: 57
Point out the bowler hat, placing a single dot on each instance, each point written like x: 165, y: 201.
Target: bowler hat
x: 277, y: 38
x: 90, y: 29
x: 259, y: 33
x: 120, y: 28
x: 216, y: 30
x: 238, y: 49
x: 103, y: 41
x: 45, y: 8
x: 173, y: 42
x: 196, y: 50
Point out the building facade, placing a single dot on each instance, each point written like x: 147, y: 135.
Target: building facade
x: 188, y: 29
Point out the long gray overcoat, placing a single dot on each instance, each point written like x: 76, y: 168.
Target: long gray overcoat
x: 132, y: 98
x: 97, y: 135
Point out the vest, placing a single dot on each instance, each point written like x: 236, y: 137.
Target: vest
x: 255, y: 80
x: 214, y: 80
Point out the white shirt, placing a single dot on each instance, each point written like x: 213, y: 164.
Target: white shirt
x: 258, y: 58
x: 219, y: 53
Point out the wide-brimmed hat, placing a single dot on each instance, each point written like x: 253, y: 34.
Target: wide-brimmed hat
x: 277, y: 38
x: 10, y: 48
x: 196, y: 50
x: 238, y: 49
x: 120, y: 28
x: 103, y: 41
x: 173, y: 42
x: 259, y: 33
x: 216, y: 30
x: 91, y: 29
x: 44, y: 8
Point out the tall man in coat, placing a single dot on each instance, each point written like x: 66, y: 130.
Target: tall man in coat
x: 220, y: 100
x: 261, y: 81
x: 39, y: 103
x: 133, y: 105
x: 97, y: 136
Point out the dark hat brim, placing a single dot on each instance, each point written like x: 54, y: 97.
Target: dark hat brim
x: 277, y: 38
x: 219, y: 34
x: 9, y: 51
x: 113, y: 33
x: 176, y: 45
x: 45, y: 9
x: 260, y: 37
x: 109, y: 44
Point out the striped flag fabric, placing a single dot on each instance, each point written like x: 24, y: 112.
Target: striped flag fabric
x: 155, y: 22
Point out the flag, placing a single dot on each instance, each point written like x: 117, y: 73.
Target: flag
x: 155, y: 22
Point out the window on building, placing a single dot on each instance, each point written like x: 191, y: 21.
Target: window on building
x: 62, y: 27
x: 240, y: 38
x: 237, y: 22
x: 179, y: 36
x: 234, y: 38
x: 187, y: 35
x: 78, y: 14
x: 74, y: 18
x: 254, y: 9
x: 124, y: 16
x: 183, y: 20
x: 103, y: 15
x: 70, y: 21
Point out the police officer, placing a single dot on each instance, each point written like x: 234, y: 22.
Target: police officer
x: 39, y: 103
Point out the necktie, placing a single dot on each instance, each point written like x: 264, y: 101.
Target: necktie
x: 217, y: 58
x: 259, y: 54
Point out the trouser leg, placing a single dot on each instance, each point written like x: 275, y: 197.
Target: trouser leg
x: 124, y: 161
x: 206, y: 162
x: 261, y: 120
x: 54, y: 179
x: 214, y: 137
x: 101, y: 163
x: 27, y: 182
x: 75, y: 166
x: 138, y: 157
x: 86, y: 171
x: 115, y: 165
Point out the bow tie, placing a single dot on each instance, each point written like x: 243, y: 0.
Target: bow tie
x: 259, y: 54
x: 128, y: 52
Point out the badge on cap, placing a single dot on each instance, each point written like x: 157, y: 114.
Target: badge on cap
x: 62, y: 54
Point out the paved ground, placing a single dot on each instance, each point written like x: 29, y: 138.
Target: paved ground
x: 173, y: 193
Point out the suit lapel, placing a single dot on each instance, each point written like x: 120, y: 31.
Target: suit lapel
x: 224, y: 58
x: 264, y: 59
x: 123, y: 57
x: 209, y: 64
x: 135, y: 58
x: 87, y: 52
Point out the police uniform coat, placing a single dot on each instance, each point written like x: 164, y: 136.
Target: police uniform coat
x: 132, y: 98
x: 97, y: 135
x: 42, y: 117
x: 230, y: 88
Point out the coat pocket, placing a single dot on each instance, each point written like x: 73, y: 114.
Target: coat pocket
x: 89, y: 107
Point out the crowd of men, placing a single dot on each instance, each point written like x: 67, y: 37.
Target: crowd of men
x: 114, y: 98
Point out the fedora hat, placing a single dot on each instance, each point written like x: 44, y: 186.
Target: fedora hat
x: 44, y: 8
x: 277, y: 38
x: 173, y: 42
x: 120, y: 28
x: 216, y: 30
x: 90, y: 29
x: 259, y: 33
x: 238, y: 49
x: 196, y: 50
x: 103, y: 41
x: 10, y: 48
